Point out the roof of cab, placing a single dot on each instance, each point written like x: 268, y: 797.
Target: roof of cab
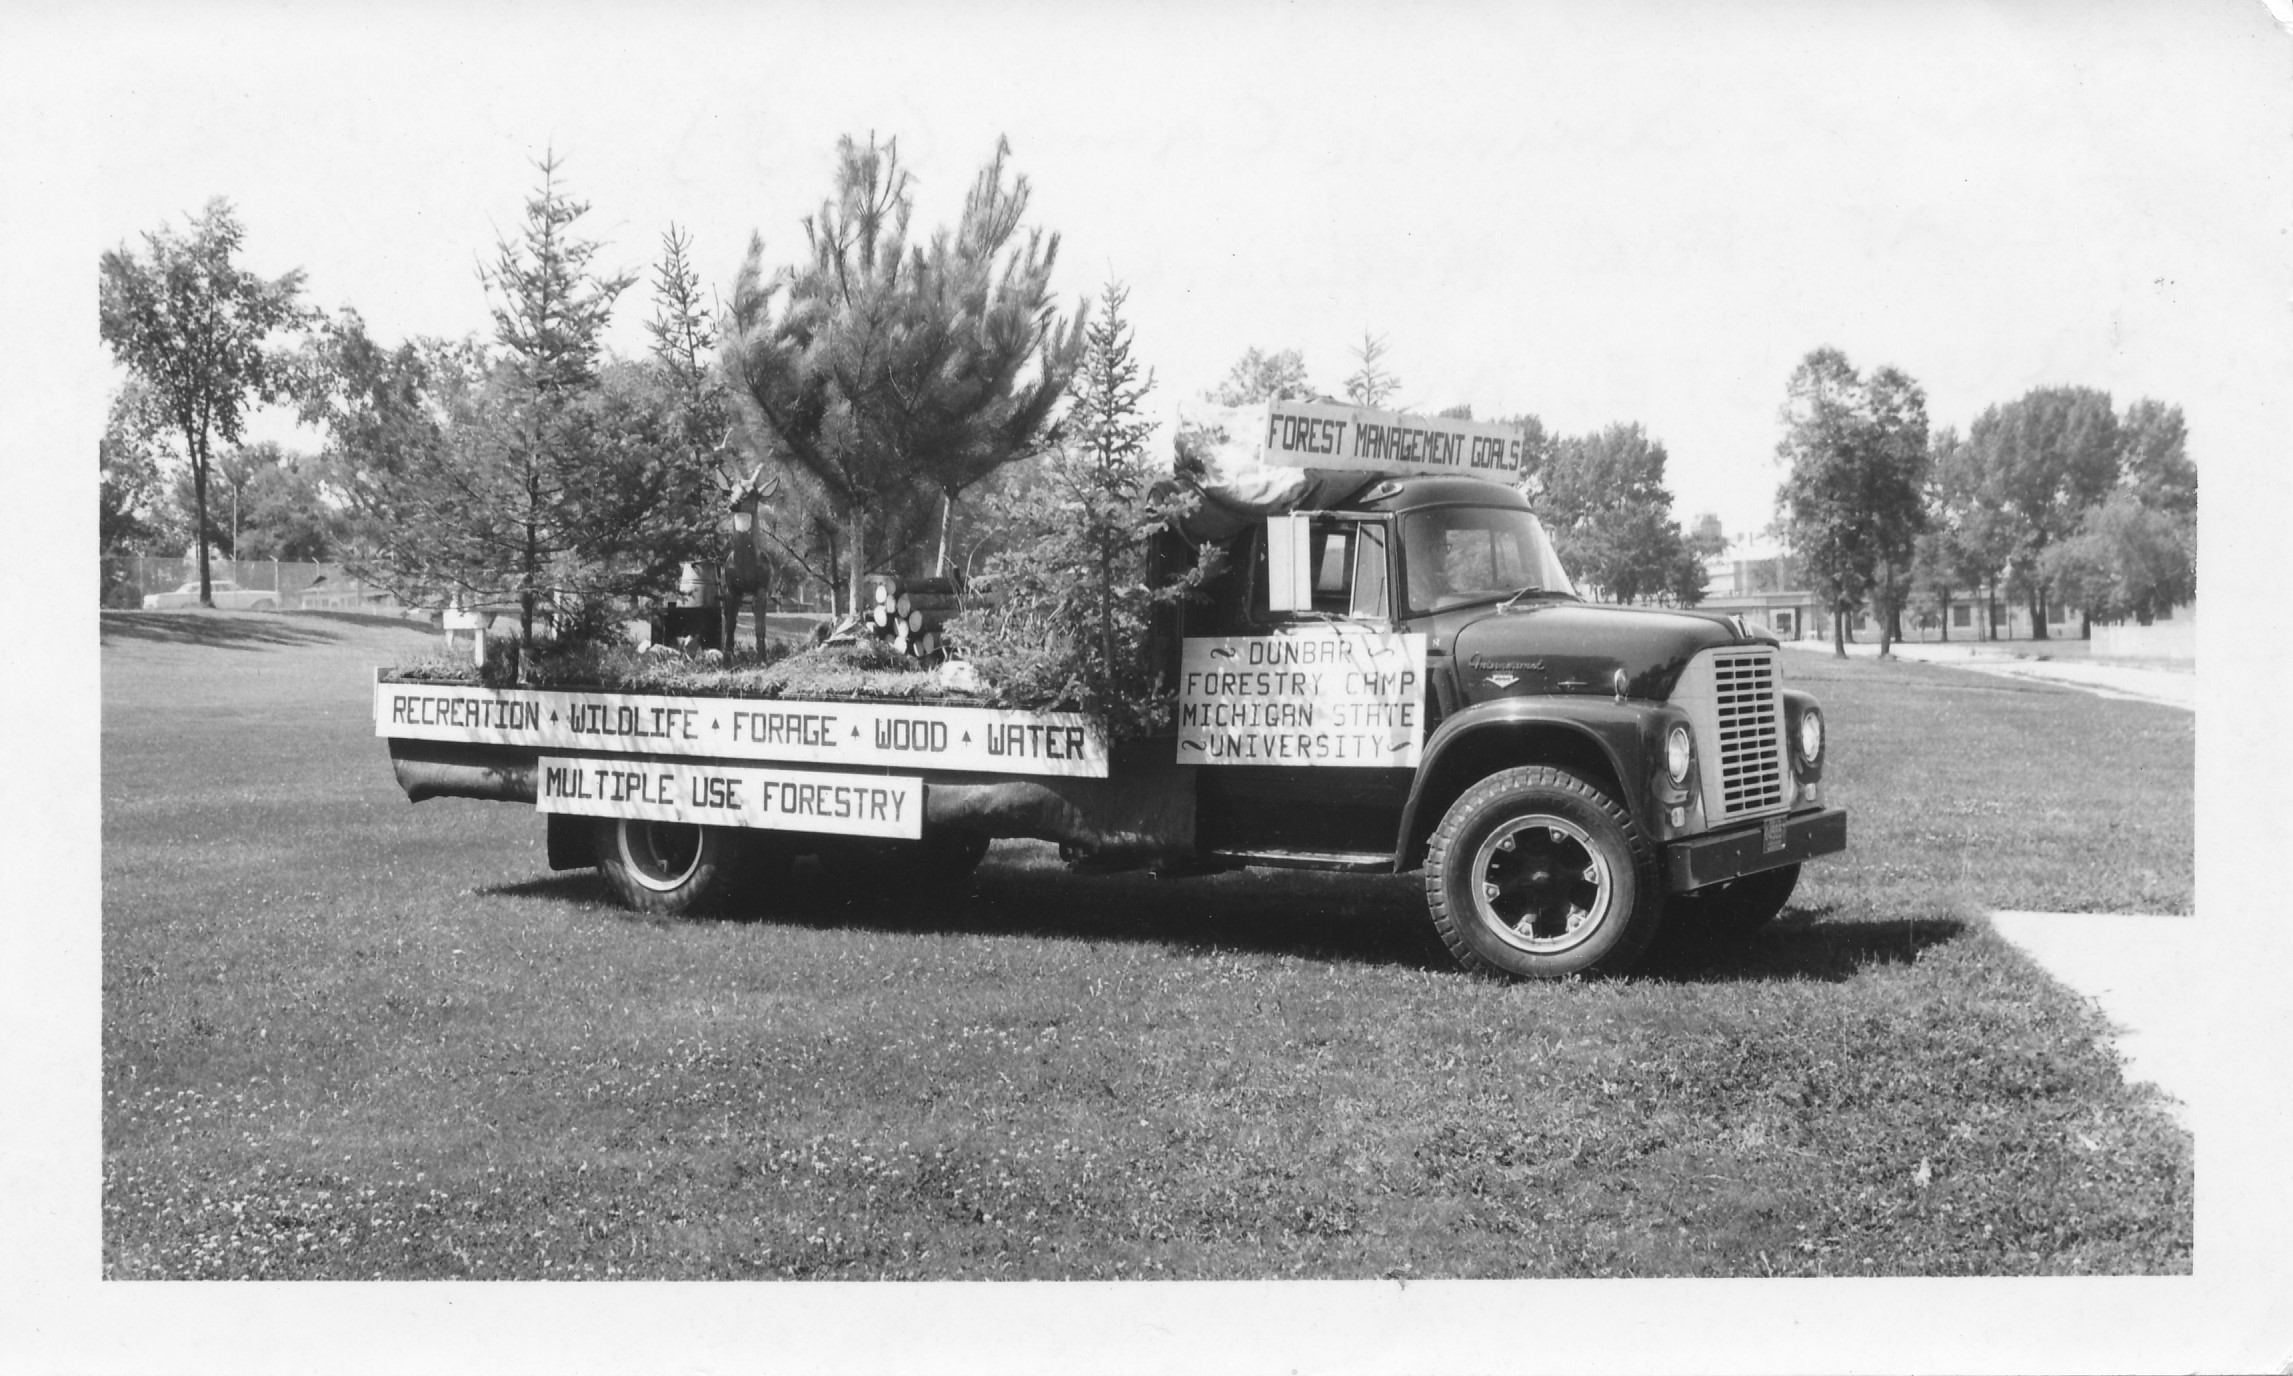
x: 1408, y: 491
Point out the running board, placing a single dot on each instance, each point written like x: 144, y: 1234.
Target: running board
x: 1351, y: 861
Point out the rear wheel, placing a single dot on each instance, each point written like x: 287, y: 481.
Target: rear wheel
x: 667, y: 868
x: 1538, y: 874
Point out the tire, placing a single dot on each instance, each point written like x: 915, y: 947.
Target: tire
x: 1737, y: 907
x: 668, y: 869
x: 264, y: 606
x: 1536, y: 874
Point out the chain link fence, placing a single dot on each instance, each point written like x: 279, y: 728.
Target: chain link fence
x: 244, y: 584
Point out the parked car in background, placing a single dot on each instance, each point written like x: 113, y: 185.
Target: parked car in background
x: 228, y: 596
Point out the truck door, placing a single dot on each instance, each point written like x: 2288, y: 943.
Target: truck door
x: 1304, y: 808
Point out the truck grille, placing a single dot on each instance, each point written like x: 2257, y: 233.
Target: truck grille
x: 1750, y: 731
x: 1734, y: 700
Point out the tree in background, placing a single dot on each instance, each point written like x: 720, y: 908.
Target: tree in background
x: 1851, y: 501
x: 2154, y: 459
x: 1706, y: 537
x: 889, y: 373
x: 1958, y: 550
x: 539, y: 471
x: 288, y: 514
x: 2134, y: 551
x: 1604, y: 502
x: 1371, y: 385
x: 1537, y: 448
x: 386, y: 413
x: 129, y: 516
x: 193, y: 327
x: 2127, y: 559
x: 1051, y: 635
x: 1256, y: 377
x: 2043, y: 459
x: 231, y: 471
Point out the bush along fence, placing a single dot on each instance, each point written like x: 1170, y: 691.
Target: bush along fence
x: 289, y: 585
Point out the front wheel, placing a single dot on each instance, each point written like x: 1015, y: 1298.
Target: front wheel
x: 666, y: 868
x: 1537, y: 874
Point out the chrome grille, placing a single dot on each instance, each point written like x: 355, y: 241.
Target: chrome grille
x: 1749, y: 722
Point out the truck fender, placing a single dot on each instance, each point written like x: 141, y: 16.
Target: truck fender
x: 1595, y: 738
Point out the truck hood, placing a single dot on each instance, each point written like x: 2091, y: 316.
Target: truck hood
x: 1541, y: 648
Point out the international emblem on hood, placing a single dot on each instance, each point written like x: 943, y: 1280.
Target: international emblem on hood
x: 1497, y: 671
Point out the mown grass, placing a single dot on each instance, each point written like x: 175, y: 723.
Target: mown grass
x: 346, y: 1037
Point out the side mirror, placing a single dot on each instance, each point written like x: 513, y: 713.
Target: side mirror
x: 1289, y: 564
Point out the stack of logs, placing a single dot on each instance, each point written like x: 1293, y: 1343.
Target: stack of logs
x: 909, y: 614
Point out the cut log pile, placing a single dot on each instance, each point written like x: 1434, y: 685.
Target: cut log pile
x: 909, y: 614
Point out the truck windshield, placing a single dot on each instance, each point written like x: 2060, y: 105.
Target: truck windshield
x: 1460, y: 555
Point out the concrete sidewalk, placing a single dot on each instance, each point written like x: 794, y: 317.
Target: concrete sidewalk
x: 2167, y: 683
x: 2142, y: 971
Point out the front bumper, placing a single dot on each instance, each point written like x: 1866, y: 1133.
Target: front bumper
x: 1700, y: 860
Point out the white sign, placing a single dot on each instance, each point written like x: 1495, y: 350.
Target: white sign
x: 1318, y: 696
x: 732, y: 795
x: 910, y: 735
x: 1314, y: 434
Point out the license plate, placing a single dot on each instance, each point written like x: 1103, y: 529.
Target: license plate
x: 1771, y: 835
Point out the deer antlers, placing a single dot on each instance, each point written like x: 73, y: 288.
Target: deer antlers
x: 753, y: 487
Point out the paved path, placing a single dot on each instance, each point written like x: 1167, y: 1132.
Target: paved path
x: 2165, y: 683
x: 2142, y: 971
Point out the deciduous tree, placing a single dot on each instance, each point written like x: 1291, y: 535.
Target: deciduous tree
x: 194, y: 326
x: 2127, y: 558
x: 1259, y: 376
x: 1604, y: 501
x: 2154, y: 458
x: 2044, y: 459
x: 128, y: 518
x: 1856, y: 456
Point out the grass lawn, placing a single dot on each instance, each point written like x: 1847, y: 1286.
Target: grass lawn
x: 346, y: 1037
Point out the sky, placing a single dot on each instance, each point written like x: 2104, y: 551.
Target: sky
x: 1635, y: 213
x: 1640, y: 212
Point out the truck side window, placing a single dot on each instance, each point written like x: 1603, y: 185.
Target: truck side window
x: 1369, y: 599
x: 1348, y: 564
x: 1333, y: 574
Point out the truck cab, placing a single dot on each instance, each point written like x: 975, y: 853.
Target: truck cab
x: 1579, y: 770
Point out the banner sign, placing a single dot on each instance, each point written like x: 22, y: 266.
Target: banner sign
x: 909, y: 735
x: 732, y: 795
x: 1318, y: 696
x: 1314, y: 434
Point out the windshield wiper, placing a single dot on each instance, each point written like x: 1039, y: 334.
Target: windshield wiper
x: 1507, y: 604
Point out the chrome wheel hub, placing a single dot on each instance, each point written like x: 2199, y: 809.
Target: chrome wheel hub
x: 1540, y: 884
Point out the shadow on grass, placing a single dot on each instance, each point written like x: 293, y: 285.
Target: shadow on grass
x: 378, y: 620
x: 1379, y: 921
x: 218, y: 630
x: 1799, y: 946
x: 564, y: 884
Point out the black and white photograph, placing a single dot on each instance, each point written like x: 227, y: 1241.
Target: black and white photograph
x: 1455, y: 687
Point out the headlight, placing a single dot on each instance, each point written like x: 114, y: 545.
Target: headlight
x: 1811, y: 735
x: 1679, y: 753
